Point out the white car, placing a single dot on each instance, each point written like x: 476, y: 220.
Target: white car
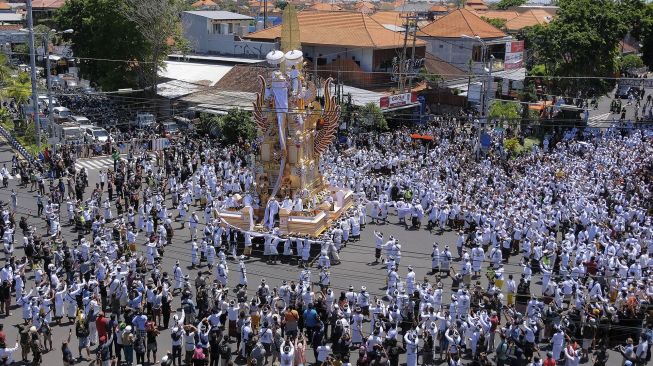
x: 98, y: 134
x: 61, y: 112
x: 81, y: 120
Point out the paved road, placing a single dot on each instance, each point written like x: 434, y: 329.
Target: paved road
x: 356, y: 268
x: 603, y: 118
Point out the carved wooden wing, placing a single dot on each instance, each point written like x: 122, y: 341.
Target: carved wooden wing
x: 260, y: 108
x: 310, y: 93
x: 328, y: 121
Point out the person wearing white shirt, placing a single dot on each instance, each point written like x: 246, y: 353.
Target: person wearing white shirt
x: 323, y: 352
x: 287, y: 354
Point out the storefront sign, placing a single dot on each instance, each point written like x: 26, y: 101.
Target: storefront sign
x: 514, y: 55
x: 397, y: 100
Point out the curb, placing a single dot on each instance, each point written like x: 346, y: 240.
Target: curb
x: 17, y: 146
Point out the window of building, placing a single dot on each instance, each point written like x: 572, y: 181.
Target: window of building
x: 477, y: 54
x: 216, y: 28
x: 231, y: 28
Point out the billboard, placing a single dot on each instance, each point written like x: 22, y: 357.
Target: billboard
x: 397, y: 100
x: 514, y: 55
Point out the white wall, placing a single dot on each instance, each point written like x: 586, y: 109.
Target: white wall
x: 455, y: 51
x: 199, y: 31
x: 458, y: 52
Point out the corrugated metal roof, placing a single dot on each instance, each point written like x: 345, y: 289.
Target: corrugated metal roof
x: 219, y: 15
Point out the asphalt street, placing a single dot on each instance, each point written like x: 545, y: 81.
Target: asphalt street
x: 357, y: 267
x: 602, y: 117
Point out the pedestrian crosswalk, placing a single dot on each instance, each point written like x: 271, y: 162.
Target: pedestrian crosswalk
x: 94, y: 163
x: 102, y: 162
x: 600, y: 120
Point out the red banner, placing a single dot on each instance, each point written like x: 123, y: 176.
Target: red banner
x: 397, y: 100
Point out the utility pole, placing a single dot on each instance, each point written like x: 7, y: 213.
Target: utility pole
x: 484, y: 57
x: 488, y: 90
x: 412, y: 58
x: 46, y: 55
x: 402, y: 61
x: 32, y: 62
x: 265, y: 14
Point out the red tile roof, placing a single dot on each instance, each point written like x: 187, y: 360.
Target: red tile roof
x: 475, y: 5
x: 337, y: 28
x: 439, y: 8
x: 47, y: 4
x: 10, y: 27
x: 203, y: 4
x: 243, y: 78
x: 324, y: 7
x: 527, y: 19
x: 458, y: 23
x: 447, y: 71
x: 498, y: 14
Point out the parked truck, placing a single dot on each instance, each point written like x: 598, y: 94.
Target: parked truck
x: 68, y: 132
x: 143, y: 121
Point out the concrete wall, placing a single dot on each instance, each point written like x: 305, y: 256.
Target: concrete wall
x: 198, y: 31
x: 458, y: 52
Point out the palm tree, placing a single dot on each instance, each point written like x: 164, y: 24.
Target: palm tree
x: 5, y: 70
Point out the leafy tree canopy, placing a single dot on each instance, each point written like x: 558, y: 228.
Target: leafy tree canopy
x: 505, y: 4
x: 373, y: 116
x: 581, y: 41
x: 504, y: 111
x: 101, y: 35
x: 496, y: 22
x: 238, y: 126
x: 630, y: 62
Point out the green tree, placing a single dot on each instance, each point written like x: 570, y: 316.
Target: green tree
x: 505, y: 112
x: 18, y: 88
x: 630, y: 62
x: 496, y: 22
x: 512, y: 145
x: 373, y: 116
x: 431, y: 80
x: 209, y: 125
x: 505, y: 4
x: 647, y: 35
x: 103, y: 40
x: 157, y: 21
x: 237, y: 126
x: 5, y: 69
x: 581, y: 41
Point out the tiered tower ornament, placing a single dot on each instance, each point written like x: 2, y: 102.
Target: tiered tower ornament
x: 294, y: 129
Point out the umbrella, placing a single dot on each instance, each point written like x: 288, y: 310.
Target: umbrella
x: 427, y: 137
x: 415, y: 136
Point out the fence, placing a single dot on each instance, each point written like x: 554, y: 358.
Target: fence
x: 83, y: 150
x: 17, y: 146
